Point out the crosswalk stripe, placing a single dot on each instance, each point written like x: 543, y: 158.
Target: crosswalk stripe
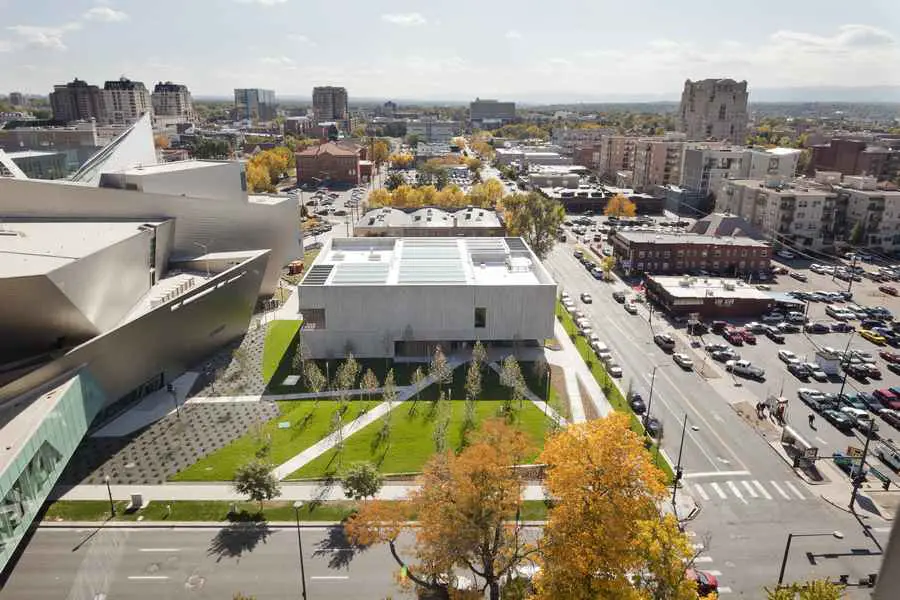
x: 749, y: 489
x: 762, y: 490
x: 690, y: 533
x: 734, y: 490
x: 719, y: 491
x: 795, y: 490
x: 702, y: 492
x: 698, y: 546
x: 715, y: 573
x: 724, y: 590
x: 780, y: 491
x: 703, y: 559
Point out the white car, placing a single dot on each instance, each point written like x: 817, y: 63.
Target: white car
x: 593, y: 339
x: 614, y: 369
x: 754, y: 327
x: 683, y: 360
x: 565, y: 296
x: 582, y: 323
x: 815, y: 371
x: 788, y: 357
x: 773, y: 318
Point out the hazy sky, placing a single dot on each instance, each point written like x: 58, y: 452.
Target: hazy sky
x: 452, y: 50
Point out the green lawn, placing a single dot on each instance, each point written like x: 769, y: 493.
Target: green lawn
x: 402, y: 373
x: 205, y: 510
x: 615, y: 397
x: 308, y: 424
x: 411, y: 444
x: 280, y: 337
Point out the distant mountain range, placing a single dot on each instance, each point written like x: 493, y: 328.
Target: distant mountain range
x: 864, y: 94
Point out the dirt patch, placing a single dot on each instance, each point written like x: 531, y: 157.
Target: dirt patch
x: 590, y: 411
x: 764, y: 427
x: 558, y: 383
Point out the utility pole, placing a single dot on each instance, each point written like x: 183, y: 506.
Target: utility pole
x: 845, y: 362
x: 860, y: 472
x: 678, y: 472
x: 852, y: 274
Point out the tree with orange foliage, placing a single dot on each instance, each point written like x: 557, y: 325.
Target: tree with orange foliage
x: 620, y: 206
x: 465, y: 505
x: 605, y: 536
x: 161, y: 141
x: 451, y: 197
x: 379, y: 197
x: 401, y: 160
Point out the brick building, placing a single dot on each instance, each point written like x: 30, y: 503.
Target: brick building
x: 331, y: 161
x: 857, y: 157
x: 676, y: 254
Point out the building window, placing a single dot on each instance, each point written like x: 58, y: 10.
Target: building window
x: 480, y: 318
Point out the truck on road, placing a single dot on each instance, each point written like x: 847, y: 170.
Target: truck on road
x: 745, y: 368
x: 828, y: 361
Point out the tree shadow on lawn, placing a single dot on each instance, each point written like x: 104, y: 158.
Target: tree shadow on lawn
x: 237, y: 538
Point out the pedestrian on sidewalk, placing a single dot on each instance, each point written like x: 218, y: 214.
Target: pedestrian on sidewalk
x: 812, y: 421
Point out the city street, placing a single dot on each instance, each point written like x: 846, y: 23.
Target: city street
x: 749, y: 497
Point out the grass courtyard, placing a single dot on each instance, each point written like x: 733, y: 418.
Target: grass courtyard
x: 411, y: 442
x: 279, y: 342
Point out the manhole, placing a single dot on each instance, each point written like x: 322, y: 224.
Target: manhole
x: 194, y: 582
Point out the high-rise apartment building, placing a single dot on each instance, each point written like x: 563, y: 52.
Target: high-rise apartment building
x: 704, y: 169
x: 714, y: 109
x: 254, y: 104
x: 76, y: 101
x: 330, y: 103
x: 491, y: 112
x: 125, y: 101
x: 173, y: 101
x: 656, y: 162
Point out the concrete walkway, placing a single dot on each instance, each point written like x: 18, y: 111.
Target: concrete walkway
x: 151, y: 409
x: 225, y: 491
x: 561, y: 359
x: 534, y: 399
x: 330, y: 441
x: 570, y: 360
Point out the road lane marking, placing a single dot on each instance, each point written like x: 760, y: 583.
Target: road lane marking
x: 762, y: 490
x: 780, y: 491
x: 821, y: 441
x: 702, y: 492
x: 881, y: 529
x: 330, y: 577
x: 749, y: 489
x: 795, y: 490
x: 719, y: 491
x: 703, y: 559
x: 734, y: 489
x: 715, y: 573
x: 715, y: 474
x: 160, y: 550
x: 147, y: 577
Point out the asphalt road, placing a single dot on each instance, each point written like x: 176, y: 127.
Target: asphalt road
x: 749, y: 497
x: 149, y: 564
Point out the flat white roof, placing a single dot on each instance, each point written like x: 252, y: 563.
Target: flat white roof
x: 30, y: 154
x: 714, y: 287
x: 38, y: 247
x: 172, y: 167
x: 425, y: 261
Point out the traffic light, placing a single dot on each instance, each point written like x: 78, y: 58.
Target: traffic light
x: 859, y: 479
x: 679, y: 473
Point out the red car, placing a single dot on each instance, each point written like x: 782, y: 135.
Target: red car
x: 706, y: 581
x: 888, y: 289
x: 747, y: 336
x: 734, y: 337
x: 891, y: 357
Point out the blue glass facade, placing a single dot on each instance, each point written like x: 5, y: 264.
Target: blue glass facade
x: 66, y: 413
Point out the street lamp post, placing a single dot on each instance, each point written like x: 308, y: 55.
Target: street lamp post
x: 297, y: 506
x: 650, y: 395
x: 112, y: 506
x: 206, y: 254
x: 170, y: 387
x: 859, y: 476
x: 845, y: 362
x: 678, y: 472
x: 787, y: 548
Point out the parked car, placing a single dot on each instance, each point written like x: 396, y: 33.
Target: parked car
x: 734, y: 337
x: 875, y: 338
x: 799, y: 276
x: 891, y: 417
x: 785, y: 327
x: 841, y: 421
x: 841, y: 327
x: 755, y: 327
x: 653, y: 426
x: 815, y: 371
x: 637, y: 404
x: 619, y: 296
x: 798, y: 370
x: 857, y: 370
x: 809, y: 395
x: 719, y: 326
x: 775, y: 317
x: 715, y: 347
x: 745, y: 368
x: 748, y: 337
x: 888, y: 456
x: 817, y: 328
x: 725, y: 355
x: 788, y: 357
x: 773, y: 334
x: 614, y: 369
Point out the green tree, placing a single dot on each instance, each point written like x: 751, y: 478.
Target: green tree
x: 369, y: 383
x: 534, y: 217
x: 416, y: 380
x: 394, y: 180
x: 389, y: 393
x: 315, y: 379
x: 206, y: 148
x: 256, y: 481
x: 438, y: 369
x: 857, y: 234
x: 512, y: 379
x: 361, y: 480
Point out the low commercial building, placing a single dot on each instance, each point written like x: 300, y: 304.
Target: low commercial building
x: 337, y: 162
x: 880, y: 160
x: 430, y: 222
x: 594, y: 198
x: 526, y: 157
x: 676, y: 253
x: 707, y: 297
x: 485, y: 112
x: 386, y: 297
x: 432, y: 130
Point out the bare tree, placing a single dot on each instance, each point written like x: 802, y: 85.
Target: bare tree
x: 473, y: 381
x: 511, y: 378
x: 389, y: 393
x: 418, y: 377
x: 439, y: 370
x: 369, y: 383
x: 479, y: 354
x: 441, y: 424
x: 541, y: 371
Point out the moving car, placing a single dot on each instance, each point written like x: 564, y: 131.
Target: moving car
x: 653, y: 426
x: 706, y: 582
x: 614, y: 369
x: 745, y: 368
x: 586, y: 298
x: 630, y: 308
x: 817, y: 328
x: 786, y: 327
x: 683, y: 360
x: 619, y: 296
x: 888, y: 289
x: 841, y: 327
x: 799, y: 276
x: 664, y: 341
x: 725, y: 355
x: 872, y: 336
x: 715, y: 347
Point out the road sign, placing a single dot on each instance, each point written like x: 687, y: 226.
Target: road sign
x: 854, y: 452
x: 811, y: 453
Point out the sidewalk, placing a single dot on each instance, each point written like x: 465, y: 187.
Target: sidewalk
x: 562, y: 359
x: 151, y: 409
x: 571, y: 361
x: 225, y: 491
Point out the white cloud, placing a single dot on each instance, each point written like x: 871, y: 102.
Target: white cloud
x: 412, y: 19
x: 261, y: 2
x: 5, y: 46
x: 280, y: 61
x: 44, y: 37
x: 512, y: 34
x: 301, y: 39
x: 105, y: 14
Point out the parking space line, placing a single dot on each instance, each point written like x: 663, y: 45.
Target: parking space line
x: 795, y: 490
x: 703, y: 559
x: 719, y: 491
x: 762, y: 490
x: 749, y: 489
x: 702, y: 492
x: 147, y: 577
x: 330, y: 577
x: 780, y: 491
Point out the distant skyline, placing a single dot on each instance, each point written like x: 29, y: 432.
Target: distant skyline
x: 570, y: 51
